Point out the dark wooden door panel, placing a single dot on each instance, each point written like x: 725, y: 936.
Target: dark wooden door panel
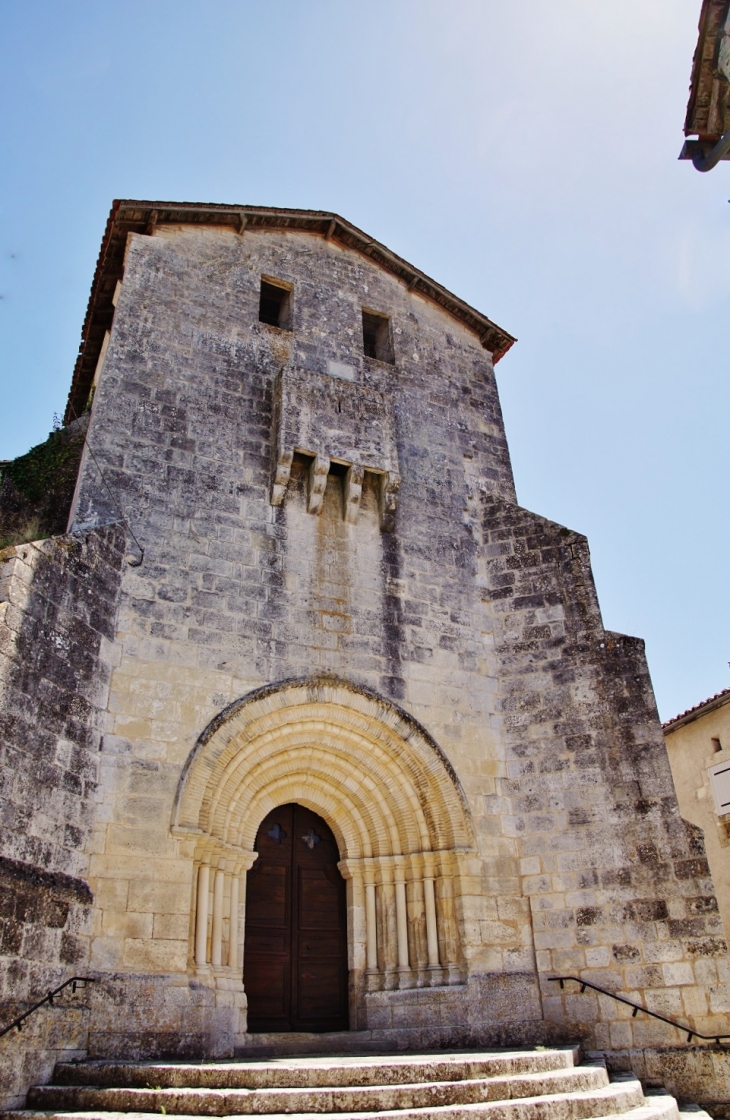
x: 268, y: 942
x: 268, y: 906
x: 327, y: 946
x: 268, y: 984
x: 295, y: 956
x: 319, y: 942
x: 319, y: 900
x: 320, y: 992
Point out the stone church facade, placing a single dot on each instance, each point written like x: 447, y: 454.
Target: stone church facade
x: 297, y: 580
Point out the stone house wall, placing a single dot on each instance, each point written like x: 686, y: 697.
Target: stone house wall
x: 696, y: 744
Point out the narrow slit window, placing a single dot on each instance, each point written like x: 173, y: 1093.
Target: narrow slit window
x: 275, y: 305
x: 376, y: 337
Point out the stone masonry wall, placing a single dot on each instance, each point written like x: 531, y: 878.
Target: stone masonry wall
x: 618, y: 883
x: 477, y: 617
x: 58, y: 600
x: 234, y: 593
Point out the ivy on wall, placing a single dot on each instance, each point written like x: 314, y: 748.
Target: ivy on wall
x: 37, y: 488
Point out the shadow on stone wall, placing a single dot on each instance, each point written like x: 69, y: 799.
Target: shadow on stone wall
x: 58, y: 601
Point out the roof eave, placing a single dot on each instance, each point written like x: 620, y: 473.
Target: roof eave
x: 703, y: 709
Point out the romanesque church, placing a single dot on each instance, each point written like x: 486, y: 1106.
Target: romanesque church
x: 310, y: 731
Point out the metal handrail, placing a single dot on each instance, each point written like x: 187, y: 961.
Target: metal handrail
x: 691, y: 1033
x: 74, y: 981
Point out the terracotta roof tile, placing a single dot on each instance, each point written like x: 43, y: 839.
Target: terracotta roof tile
x: 697, y: 709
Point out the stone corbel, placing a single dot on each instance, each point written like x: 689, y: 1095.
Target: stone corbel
x: 389, y: 487
x: 317, y: 483
x: 281, y: 477
x: 353, y: 493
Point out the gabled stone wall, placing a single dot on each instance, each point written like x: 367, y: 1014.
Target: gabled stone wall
x: 242, y: 456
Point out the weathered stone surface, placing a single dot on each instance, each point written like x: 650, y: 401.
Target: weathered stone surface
x: 539, y: 1085
x: 614, y: 876
x: 332, y: 420
x: 332, y: 1071
x: 394, y: 643
x: 58, y: 601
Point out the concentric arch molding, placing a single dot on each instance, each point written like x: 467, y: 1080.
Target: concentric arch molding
x: 375, y: 775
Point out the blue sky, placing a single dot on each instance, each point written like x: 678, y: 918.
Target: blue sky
x: 525, y: 155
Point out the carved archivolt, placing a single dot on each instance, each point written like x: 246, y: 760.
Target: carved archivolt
x: 385, y: 788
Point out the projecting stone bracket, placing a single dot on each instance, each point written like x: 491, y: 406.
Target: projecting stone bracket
x: 281, y: 477
x: 353, y: 493
x: 317, y: 483
x: 388, y: 485
x: 331, y: 420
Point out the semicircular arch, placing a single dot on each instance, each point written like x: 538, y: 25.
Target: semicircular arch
x: 385, y: 787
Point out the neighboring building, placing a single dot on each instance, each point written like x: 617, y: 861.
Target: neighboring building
x: 698, y: 742
x: 307, y: 723
x: 708, y: 109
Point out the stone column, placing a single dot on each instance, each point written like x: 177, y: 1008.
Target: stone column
x: 406, y: 977
x: 371, y: 937
x: 432, y: 936
x: 216, y: 948
x: 245, y: 866
x: 417, y: 951
x: 388, y: 927
x: 401, y: 917
x: 233, y: 923
x: 362, y: 925
x: 447, y: 929
x: 201, y: 917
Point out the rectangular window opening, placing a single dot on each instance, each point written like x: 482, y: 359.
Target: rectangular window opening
x: 716, y: 745
x: 376, y: 337
x: 275, y: 305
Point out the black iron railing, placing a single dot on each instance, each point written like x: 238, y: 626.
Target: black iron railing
x: 637, y: 1007
x: 74, y: 983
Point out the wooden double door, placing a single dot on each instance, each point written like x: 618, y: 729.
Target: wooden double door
x: 295, y: 952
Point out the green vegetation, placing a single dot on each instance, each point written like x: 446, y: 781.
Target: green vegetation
x: 36, y: 489
x: 29, y: 531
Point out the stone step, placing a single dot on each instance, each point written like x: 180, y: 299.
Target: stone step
x: 301, y: 1073
x: 283, y: 1044
x: 609, y: 1100
x: 338, y: 1099
x: 658, y: 1108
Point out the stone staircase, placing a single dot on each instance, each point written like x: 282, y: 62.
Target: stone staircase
x: 544, y: 1084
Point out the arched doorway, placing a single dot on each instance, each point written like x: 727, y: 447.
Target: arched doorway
x: 398, y: 816
x: 295, y: 947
